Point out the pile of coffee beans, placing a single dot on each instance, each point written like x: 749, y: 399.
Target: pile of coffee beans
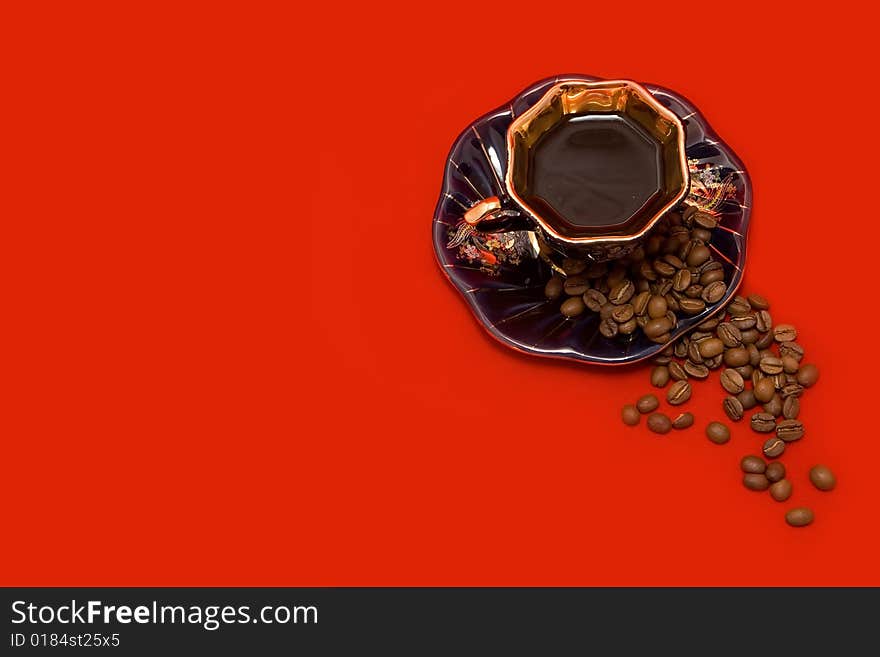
x: 761, y: 372
x: 672, y: 274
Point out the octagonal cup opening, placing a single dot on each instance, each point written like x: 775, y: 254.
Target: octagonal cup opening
x: 596, y: 161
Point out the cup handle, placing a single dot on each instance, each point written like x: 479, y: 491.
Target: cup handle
x: 490, y: 216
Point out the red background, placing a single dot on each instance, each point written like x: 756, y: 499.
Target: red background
x: 229, y: 357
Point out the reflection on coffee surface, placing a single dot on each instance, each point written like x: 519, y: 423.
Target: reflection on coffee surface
x: 595, y: 170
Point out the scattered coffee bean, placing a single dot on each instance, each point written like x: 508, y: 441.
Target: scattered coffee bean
x: 773, y: 448
x: 738, y: 307
x: 784, y: 333
x: 764, y: 390
x: 781, y: 490
x: 791, y: 407
x: 660, y: 376
x: 732, y: 382
x: 736, y: 357
x: 696, y: 370
x: 755, y: 481
x: 775, y: 471
x: 729, y: 334
x: 763, y: 422
x: 630, y: 415
x: 770, y: 365
x: 774, y: 406
x: 678, y: 393
x: 790, y: 365
x: 763, y: 321
x: 710, y: 347
x: 799, y: 517
x: 659, y: 423
x: 747, y: 399
x: 758, y: 302
x: 683, y: 421
x: 791, y: 350
x: 790, y: 430
x: 718, y: 433
x: 792, y: 390
x: 764, y: 340
x: 822, y: 477
x: 808, y: 375
x: 648, y: 403
x: 733, y: 408
x: 677, y: 372
x: 753, y: 464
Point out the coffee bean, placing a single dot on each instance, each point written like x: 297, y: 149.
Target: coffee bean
x: 664, y: 268
x: 640, y: 302
x: 714, y: 362
x: 745, y: 371
x: 763, y: 422
x: 729, y: 334
x: 622, y: 292
x: 749, y: 336
x: 790, y: 430
x: 628, y: 327
x: 554, y: 287
x: 754, y: 355
x: 678, y: 393
x: 799, y: 517
x: 657, y: 306
x: 573, y: 266
x: 714, y: 292
x: 732, y: 381
x: 696, y: 370
x: 738, y: 307
x: 774, y: 406
x: 758, y: 302
x: 763, y: 321
x: 755, y: 481
x: 701, y: 234
x: 743, y: 323
x: 672, y: 303
x: 595, y: 300
x: 659, y: 423
x: 572, y: 307
x: 647, y: 403
x: 692, y: 306
x: 717, y: 432
x: 630, y: 415
x: 773, y: 448
x: 770, y: 365
x: 677, y: 372
x: 736, y: 357
x: 764, y: 390
x: 710, y: 347
x: 791, y: 407
x: 752, y: 464
x: 608, y: 327
x: 710, y: 324
x: 576, y: 285
x: 791, y: 349
x: 693, y: 353
x: 704, y: 220
x: 781, y: 490
x: 606, y: 310
x: 683, y: 421
x: 779, y: 380
x: 775, y: 471
x: 764, y: 340
x: 657, y: 327
x: 790, y: 365
x: 682, y: 280
x: 822, y: 477
x: 784, y: 332
x: 747, y: 399
x: 660, y: 376
x: 709, y: 276
x: 698, y: 254
x: 808, y: 375
x: 623, y: 313
x: 732, y: 408
x: 792, y: 390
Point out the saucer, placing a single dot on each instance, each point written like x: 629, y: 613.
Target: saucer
x: 500, y: 276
